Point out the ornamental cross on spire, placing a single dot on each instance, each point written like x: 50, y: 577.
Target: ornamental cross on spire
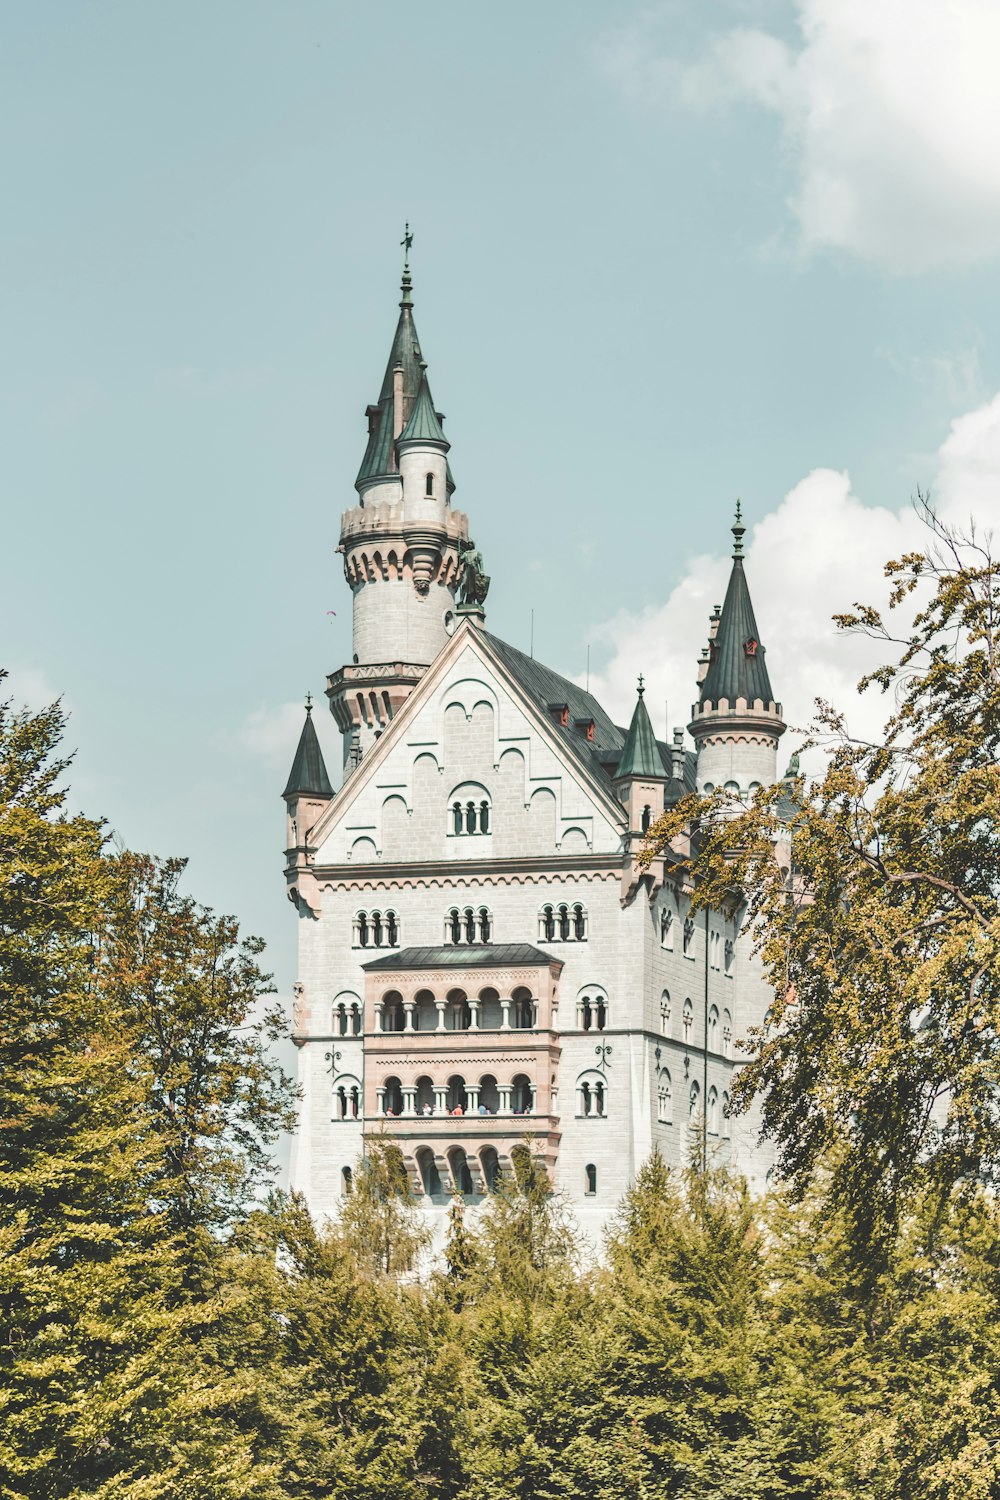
x: 309, y: 703
x: 642, y: 687
x: 406, y: 242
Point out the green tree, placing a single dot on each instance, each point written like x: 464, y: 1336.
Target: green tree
x: 880, y: 1051
x: 379, y: 1222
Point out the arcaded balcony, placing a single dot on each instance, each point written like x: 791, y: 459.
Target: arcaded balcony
x: 468, y: 988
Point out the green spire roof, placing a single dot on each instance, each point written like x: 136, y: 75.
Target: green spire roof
x: 380, y: 457
x: 424, y: 425
x: 736, y: 667
x: 640, y: 753
x: 308, y: 776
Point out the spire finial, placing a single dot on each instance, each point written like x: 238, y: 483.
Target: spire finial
x: 738, y: 532
x: 406, y: 287
x: 642, y: 688
x: 309, y: 703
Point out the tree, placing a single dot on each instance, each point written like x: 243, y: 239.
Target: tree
x: 379, y: 1222
x: 877, y: 921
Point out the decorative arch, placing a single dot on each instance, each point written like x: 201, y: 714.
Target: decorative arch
x: 592, y: 1008
x: 470, y: 810
x: 591, y: 1094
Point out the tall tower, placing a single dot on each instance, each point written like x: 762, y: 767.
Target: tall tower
x: 736, y: 723
x: 402, y: 545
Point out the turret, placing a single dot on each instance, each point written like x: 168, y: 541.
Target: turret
x: 736, y: 723
x: 641, y: 777
x: 308, y: 789
x: 402, y: 545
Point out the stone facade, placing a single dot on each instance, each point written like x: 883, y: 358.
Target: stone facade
x: 481, y: 961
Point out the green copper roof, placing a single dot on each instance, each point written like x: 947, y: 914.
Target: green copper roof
x: 379, y: 456
x: 424, y: 425
x: 640, y: 753
x: 737, y: 668
x: 308, y: 776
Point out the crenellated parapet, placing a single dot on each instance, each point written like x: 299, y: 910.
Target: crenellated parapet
x: 394, y: 541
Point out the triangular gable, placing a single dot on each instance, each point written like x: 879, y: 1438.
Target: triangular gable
x: 467, y: 635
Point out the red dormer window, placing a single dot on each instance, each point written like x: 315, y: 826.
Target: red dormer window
x: 750, y: 647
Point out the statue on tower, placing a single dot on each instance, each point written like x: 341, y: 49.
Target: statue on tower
x: 475, y: 582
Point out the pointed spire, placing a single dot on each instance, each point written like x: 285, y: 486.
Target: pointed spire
x: 424, y: 425
x: 380, y: 455
x: 736, y: 667
x: 308, y: 776
x: 641, y: 754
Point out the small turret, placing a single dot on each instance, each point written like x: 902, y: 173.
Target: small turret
x: 641, y: 775
x: 308, y: 789
x: 736, y: 723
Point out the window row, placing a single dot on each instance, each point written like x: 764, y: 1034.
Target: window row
x: 721, y: 953
x: 456, y: 1097
x: 468, y: 924
x: 664, y: 1106
x: 375, y: 929
x: 562, y: 924
x: 720, y: 1026
x: 457, y: 1011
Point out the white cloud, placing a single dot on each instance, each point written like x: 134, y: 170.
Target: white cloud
x: 817, y: 553
x: 28, y: 687
x: 272, y: 733
x: 890, y: 111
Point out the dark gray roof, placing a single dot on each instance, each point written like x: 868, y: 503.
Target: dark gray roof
x: 380, y: 456
x: 463, y: 956
x: 308, y: 777
x: 601, y: 754
x: 424, y: 425
x: 736, y: 666
x: 641, y: 754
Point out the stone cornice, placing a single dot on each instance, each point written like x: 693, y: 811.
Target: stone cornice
x: 450, y: 872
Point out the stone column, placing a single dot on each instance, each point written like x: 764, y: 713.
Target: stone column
x: 409, y: 1101
x: 472, y: 1098
x: 534, y: 1098
x: 380, y: 1098
x: 504, y: 1015
x: 378, y: 1016
x: 534, y: 1015
x: 408, y: 1009
x: 503, y: 1089
x: 473, y: 1015
x: 440, y: 1099
x: 441, y: 1007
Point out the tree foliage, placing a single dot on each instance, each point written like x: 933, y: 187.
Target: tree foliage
x: 872, y: 891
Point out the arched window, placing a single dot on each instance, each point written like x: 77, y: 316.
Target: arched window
x: 393, y: 1014
x: 727, y: 1032
x: 688, y: 1022
x: 693, y: 1098
x: 471, y: 812
x: 688, y: 936
x: 713, y: 1111
x: 591, y: 1094
x: 392, y: 1097
x: 376, y: 929
x: 645, y: 818
x: 665, y: 1012
x: 563, y: 923
x: 460, y: 1010
x: 429, y: 484
x: 666, y: 929
x: 458, y: 1099
x: 664, y: 1099
x: 523, y: 1009
x: 590, y: 1177
x: 730, y: 954
x: 521, y: 1095
x: 713, y: 1029
x: 725, y: 1116
x: 346, y: 1181
x: 468, y: 924
x: 592, y: 1011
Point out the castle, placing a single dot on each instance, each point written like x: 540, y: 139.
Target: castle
x: 481, y: 961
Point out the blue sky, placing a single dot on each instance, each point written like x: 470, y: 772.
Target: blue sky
x: 665, y: 255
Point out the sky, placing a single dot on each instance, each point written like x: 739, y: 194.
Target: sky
x: 665, y: 255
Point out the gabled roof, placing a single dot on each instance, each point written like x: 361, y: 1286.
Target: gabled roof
x: 640, y: 753
x: 737, y: 667
x: 424, y: 425
x: 308, y: 776
x: 464, y: 956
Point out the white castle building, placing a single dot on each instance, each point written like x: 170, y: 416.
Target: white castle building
x: 480, y: 959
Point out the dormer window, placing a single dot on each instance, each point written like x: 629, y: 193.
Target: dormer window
x: 429, y: 484
x: 750, y: 647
